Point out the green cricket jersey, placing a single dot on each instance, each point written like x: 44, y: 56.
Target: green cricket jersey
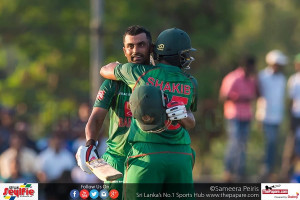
x: 175, y: 83
x: 114, y: 95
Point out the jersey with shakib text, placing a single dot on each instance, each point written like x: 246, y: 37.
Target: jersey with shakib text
x: 177, y: 85
x: 114, y: 95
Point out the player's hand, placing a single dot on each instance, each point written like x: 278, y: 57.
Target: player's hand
x: 86, y: 153
x: 176, y: 110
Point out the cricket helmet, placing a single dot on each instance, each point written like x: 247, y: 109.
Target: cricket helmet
x: 174, y: 42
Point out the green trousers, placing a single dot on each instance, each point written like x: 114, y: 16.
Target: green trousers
x: 158, y: 171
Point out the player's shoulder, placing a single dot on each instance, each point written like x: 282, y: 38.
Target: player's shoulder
x: 110, y: 83
x: 191, y: 78
x: 135, y: 66
x: 127, y: 65
x: 112, y: 87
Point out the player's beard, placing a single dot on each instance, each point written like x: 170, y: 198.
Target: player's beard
x: 137, y: 58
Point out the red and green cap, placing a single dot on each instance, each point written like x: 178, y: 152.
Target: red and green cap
x: 147, y: 105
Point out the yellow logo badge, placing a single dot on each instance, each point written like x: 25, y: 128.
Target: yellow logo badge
x: 160, y: 47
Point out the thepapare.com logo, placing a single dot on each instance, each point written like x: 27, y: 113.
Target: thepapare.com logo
x: 14, y: 191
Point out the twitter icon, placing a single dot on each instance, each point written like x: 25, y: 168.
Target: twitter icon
x: 94, y: 194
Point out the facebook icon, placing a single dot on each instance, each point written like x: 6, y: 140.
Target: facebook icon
x: 74, y: 194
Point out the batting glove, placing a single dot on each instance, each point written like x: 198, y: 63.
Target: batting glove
x: 86, y: 153
x: 176, y: 110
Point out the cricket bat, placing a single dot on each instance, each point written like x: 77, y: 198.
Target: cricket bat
x: 103, y: 170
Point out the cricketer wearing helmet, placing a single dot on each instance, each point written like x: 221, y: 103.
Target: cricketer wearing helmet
x: 160, y: 153
x: 113, y: 96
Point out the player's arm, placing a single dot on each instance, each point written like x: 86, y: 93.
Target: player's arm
x: 189, y: 122
x: 176, y: 109
x: 107, y: 71
x: 102, y: 104
x: 95, y: 123
x: 128, y: 73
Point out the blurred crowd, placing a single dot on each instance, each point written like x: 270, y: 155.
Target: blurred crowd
x: 46, y: 160
x: 268, y: 90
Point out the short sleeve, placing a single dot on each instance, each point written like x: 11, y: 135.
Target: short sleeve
x: 130, y: 73
x: 106, y: 94
x: 233, y: 93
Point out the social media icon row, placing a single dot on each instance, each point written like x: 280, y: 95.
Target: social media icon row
x: 103, y: 194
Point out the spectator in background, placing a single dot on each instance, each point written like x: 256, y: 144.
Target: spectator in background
x: 81, y: 140
x: 294, y: 96
x: 77, y: 136
x: 17, y: 176
x: 23, y: 126
x: 56, y: 161
x: 83, y: 117
x: 6, y: 127
x: 238, y: 90
x: 26, y: 157
x: 270, y: 106
x: 64, y: 127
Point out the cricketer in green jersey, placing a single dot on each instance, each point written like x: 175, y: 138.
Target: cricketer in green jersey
x: 113, y: 96
x: 161, y: 157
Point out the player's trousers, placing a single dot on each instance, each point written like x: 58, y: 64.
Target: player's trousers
x: 154, y: 171
x: 116, y: 162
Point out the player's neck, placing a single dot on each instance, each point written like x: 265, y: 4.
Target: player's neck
x: 164, y: 62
